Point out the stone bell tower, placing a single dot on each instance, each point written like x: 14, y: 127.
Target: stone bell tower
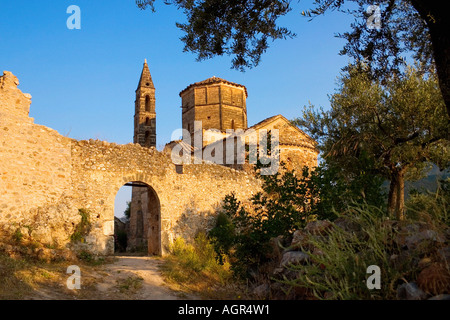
x: 145, y: 114
x: 143, y: 229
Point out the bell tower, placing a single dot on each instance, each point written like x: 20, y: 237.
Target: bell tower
x: 145, y: 114
x: 143, y: 219
x: 218, y: 103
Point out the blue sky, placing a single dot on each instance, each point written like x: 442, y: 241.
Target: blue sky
x: 83, y: 81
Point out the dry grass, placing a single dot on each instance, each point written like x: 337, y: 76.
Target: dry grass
x: 340, y: 270
x: 130, y: 284
x: 193, y: 269
x: 25, y: 278
x: 21, y: 278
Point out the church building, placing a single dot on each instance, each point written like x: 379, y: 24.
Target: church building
x: 221, y: 107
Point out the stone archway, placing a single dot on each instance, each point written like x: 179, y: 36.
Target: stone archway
x: 154, y: 223
x: 144, y: 232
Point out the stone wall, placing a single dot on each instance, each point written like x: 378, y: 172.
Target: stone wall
x: 47, y: 180
x: 35, y: 170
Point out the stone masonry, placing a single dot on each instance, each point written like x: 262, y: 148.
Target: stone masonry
x: 60, y: 192
x: 218, y: 103
x: 46, y: 178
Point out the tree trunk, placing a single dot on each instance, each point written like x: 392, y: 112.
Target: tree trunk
x: 400, y: 206
x: 396, y: 198
x: 436, y: 17
x: 392, y: 198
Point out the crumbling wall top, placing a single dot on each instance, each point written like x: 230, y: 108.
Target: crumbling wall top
x: 14, y: 103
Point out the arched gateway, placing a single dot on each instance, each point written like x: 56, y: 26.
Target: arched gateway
x: 145, y: 219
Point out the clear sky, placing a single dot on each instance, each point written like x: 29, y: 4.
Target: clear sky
x: 83, y: 81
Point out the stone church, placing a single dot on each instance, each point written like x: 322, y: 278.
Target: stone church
x: 220, y: 106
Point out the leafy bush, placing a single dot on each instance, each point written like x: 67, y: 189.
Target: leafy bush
x: 334, y: 190
x: 127, y: 211
x: 289, y: 200
x: 223, y: 234
x: 242, y: 236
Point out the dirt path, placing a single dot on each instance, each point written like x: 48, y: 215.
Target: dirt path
x: 134, y: 277
x: 125, y: 278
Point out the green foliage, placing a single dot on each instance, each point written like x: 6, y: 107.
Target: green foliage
x: 398, y: 127
x: 130, y: 284
x: 340, y: 270
x: 244, y: 29
x: 247, y: 243
x: 402, y: 31
x: 85, y: 256
x: 241, y: 29
x: 82, y: 228
x: 339, y: 260
x: 334, y: 189
x: 127, y: 211
x: 431, y: 206
x: 401, y: 121
x: 223, y: 234
x: 244, y: 235
x: 287, y: 203
x: 196, y: 257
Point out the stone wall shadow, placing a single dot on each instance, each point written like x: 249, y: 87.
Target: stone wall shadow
x: 193, y: 221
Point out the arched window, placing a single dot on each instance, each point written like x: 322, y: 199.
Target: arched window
x: 147, y: 103
x: 232, y: 125
x: 147, y: 136
x: 147, y: 121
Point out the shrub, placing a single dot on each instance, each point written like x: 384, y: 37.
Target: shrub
x: 82, y: 228
x: 194, y: 259
x: 241, y: 236
x: 195, y: 267
x: 91, y: 259
x: 339, y: 261
x: 340, y: 269
x: 289, y: 200
x: 223, y: 235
